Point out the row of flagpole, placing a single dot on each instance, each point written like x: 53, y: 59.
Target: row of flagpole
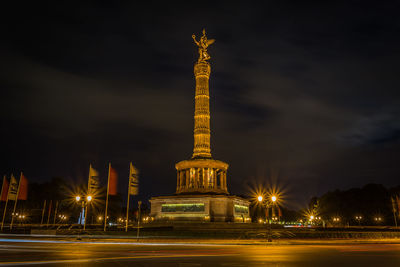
x: 13, y: 191
x: 112, y: 180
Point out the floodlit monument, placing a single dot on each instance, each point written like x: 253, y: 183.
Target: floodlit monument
x: 201, y: 188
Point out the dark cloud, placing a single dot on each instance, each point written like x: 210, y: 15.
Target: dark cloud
x: 306, y: 93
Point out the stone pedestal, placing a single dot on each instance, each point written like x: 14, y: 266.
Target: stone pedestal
x: 213, y: 208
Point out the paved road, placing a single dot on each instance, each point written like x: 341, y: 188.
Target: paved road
x: 69, y: 252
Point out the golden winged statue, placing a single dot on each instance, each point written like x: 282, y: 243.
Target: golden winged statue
x: 203, y: 43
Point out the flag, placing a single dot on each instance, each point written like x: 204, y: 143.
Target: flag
x: 4, y: 189
x: 23, y: 188
x: 133, y: 180
x: 13, y: 189
x: 93, y: 182
x: 112, y: 181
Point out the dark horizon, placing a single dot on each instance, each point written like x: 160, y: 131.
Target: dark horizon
x: 303, y: 95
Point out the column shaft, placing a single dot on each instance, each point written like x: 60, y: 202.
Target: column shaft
x: 187, y: 178
x: 225, y: 186
x: 177, y: 182
x: 202, y: 146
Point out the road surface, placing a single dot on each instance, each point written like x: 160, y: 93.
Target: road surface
x: 72, y: 252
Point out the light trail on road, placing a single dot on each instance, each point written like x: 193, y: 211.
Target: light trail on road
x: 107, y: 243
x: 92, y: 253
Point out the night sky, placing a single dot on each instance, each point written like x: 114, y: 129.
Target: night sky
x: 303, y: 94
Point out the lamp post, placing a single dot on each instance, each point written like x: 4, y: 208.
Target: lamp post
x: 84, y: 203
x: 336, y: 220
x: 311, y: 219
x: 21, y: 218
x: 378, y: 219
x: 268, y: 203
x: 358, y: 218
x: 62, y: 218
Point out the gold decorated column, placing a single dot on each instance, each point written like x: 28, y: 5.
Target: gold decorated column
x: 202, y: 146
x: 202, y: 174
x: 202, y: 70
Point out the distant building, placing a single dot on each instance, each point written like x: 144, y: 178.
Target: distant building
x: 201, y: 189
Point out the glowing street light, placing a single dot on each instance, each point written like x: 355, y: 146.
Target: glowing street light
x: 62, y: 217
x: 88, y: 199
x: 358, y: 218
x: 268, y: 204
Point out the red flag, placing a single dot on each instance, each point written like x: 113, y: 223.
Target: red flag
x: 23, y: 188
x: 112, y: 182
x: 4, y: 190
x: 279, y: 212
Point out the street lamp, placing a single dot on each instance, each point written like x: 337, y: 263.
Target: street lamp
x: 336, y: 219
x: 311, y: 219
x: 268, y: 204
x: 20, y: 217
x: 358, y: 218
x: 84, y: 203
x: 62, y: 217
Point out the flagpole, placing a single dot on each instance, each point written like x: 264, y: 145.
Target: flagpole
x: 55, y: 213
x: 2, y: 187
x: 15, y: 203
x: 84, y: 207
x: 127, y: 205
x: 108, y: 185
x: 44, y: 210
x: 394, y: 211
x: 398, y: 206
x: 48, y: 215
x: 5, y: 207
x: 4, y: 214
x: 138, y: 221
x: 88, y: 186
